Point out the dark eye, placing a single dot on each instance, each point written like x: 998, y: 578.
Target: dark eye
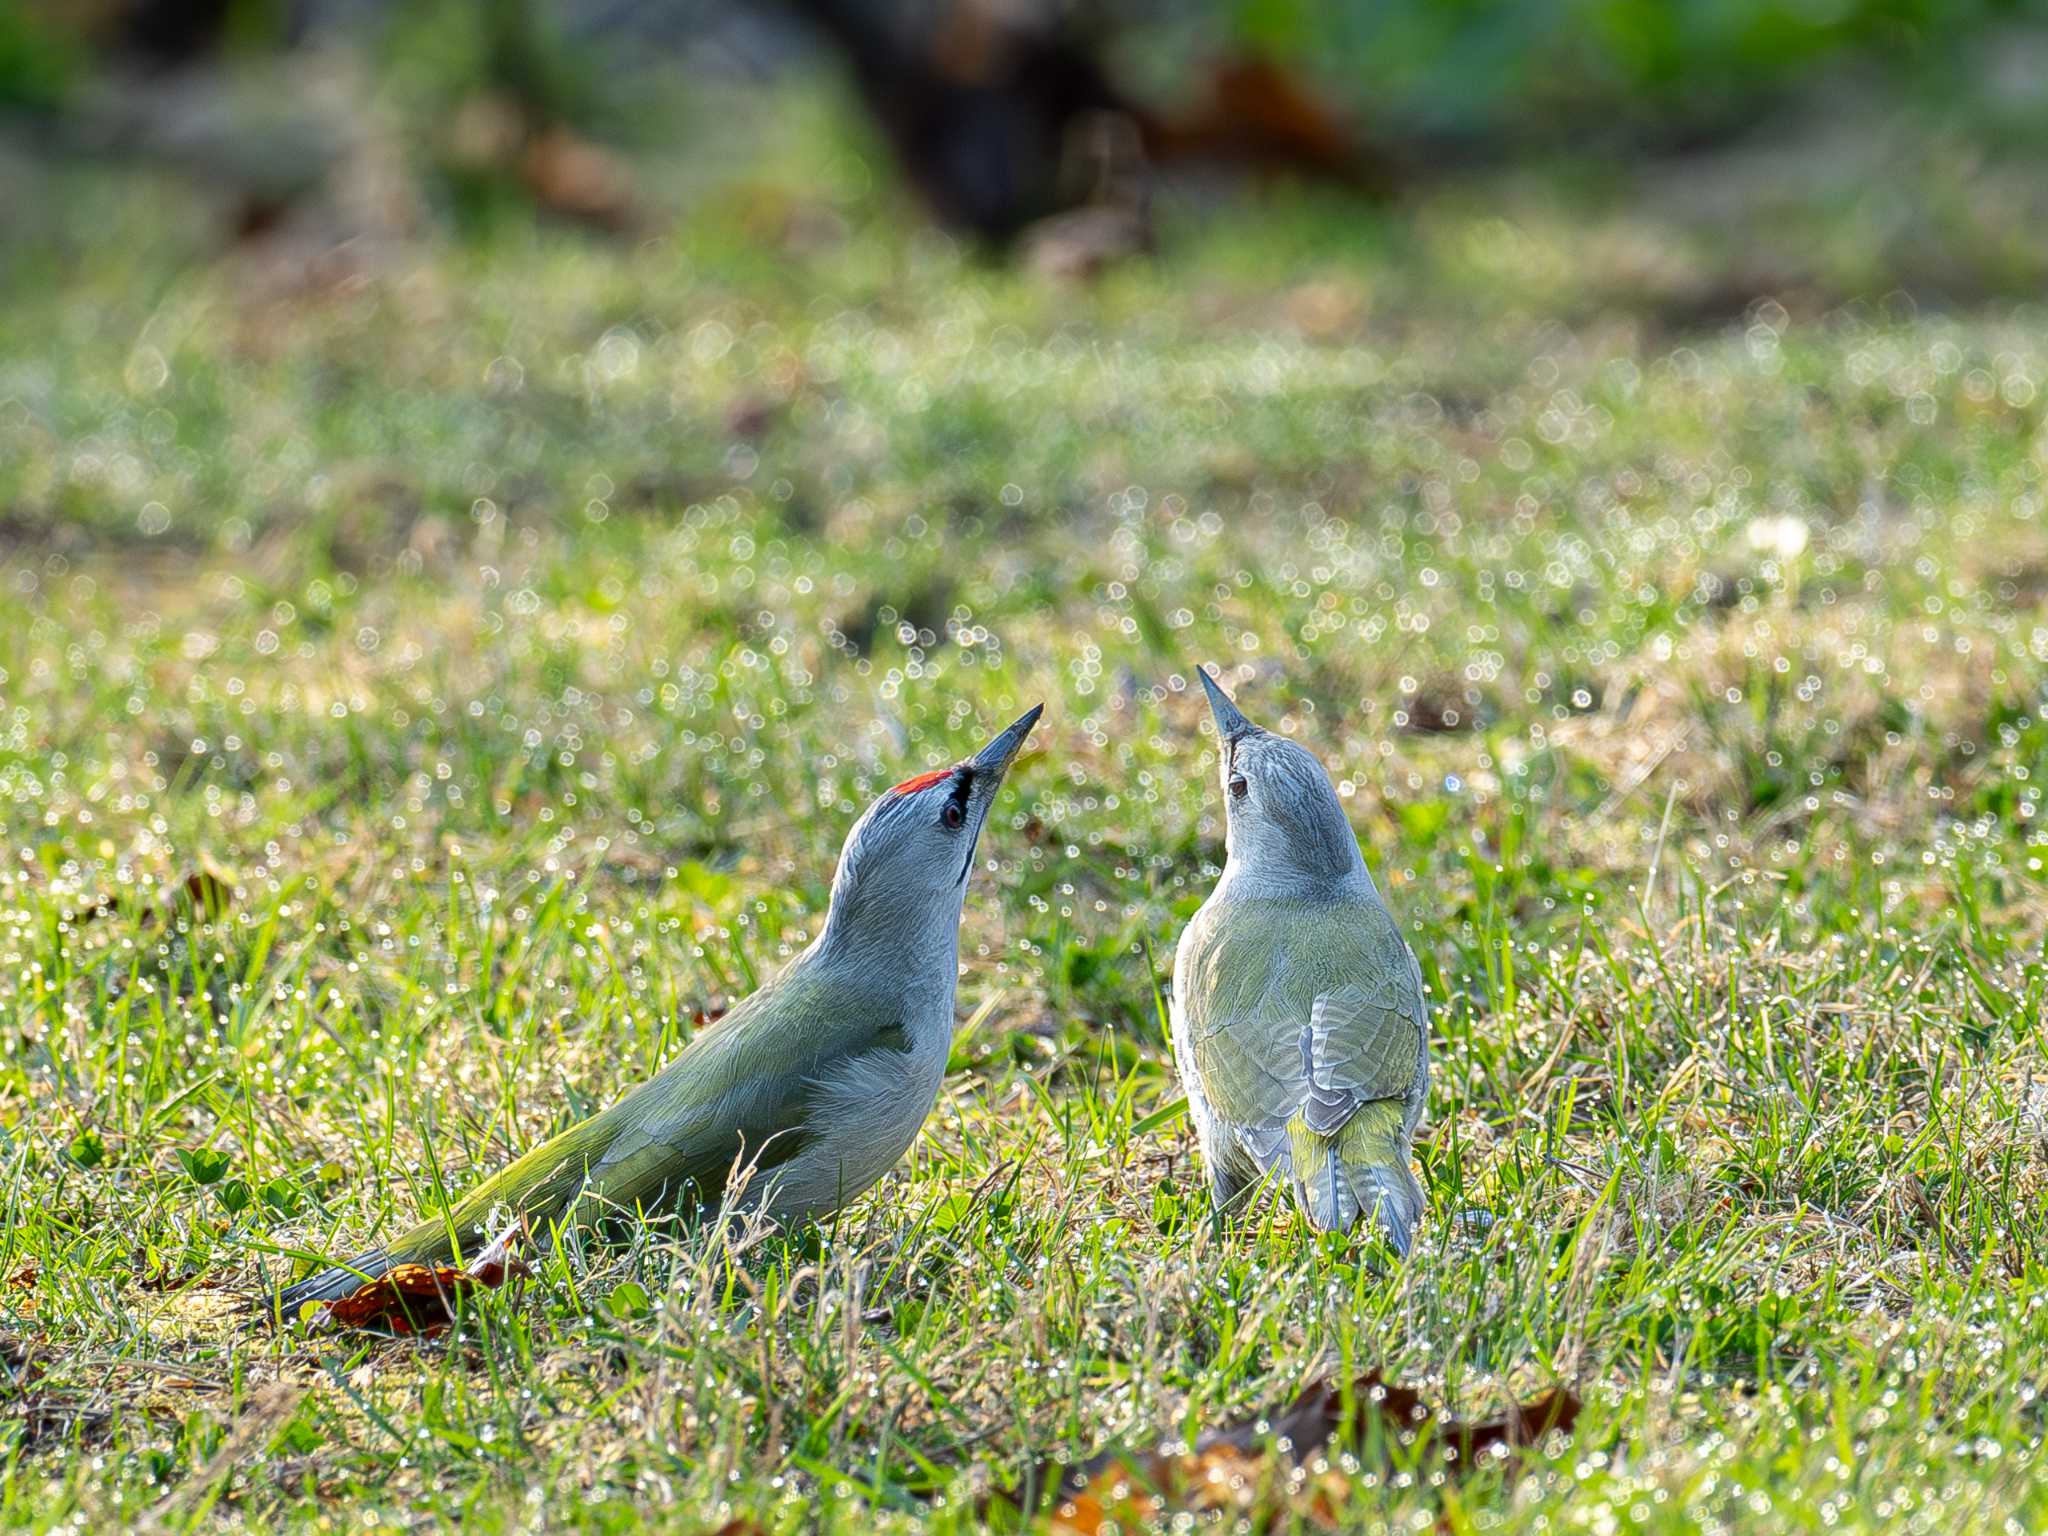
x: 951, y: 817
x: 1239, y: 786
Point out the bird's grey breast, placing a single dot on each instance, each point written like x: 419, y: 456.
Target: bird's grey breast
x: 862, y: 1114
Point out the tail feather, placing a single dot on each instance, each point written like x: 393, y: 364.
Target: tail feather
x: 541, y: 1186
x: 1359, y: 1170
x: 333, y: 1283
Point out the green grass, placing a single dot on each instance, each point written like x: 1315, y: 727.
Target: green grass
x: 1686, y: 689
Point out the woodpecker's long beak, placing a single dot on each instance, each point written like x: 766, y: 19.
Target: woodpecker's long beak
x: 1230, y: 723
x: 997, y: 755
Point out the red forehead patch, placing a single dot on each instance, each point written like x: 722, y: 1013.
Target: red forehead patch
x: 922, y: 781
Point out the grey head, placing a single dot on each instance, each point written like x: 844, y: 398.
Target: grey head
x: 1283, y: 820
x: 905, y: 864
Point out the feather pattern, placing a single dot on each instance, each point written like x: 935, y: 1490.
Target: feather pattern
x: 1300, y: 1032
x: 1299, y: 1025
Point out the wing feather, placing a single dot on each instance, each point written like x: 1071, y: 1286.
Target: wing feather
x: 1356, y: 1048
x: 741, y: 1088
x: 1290, y: 1009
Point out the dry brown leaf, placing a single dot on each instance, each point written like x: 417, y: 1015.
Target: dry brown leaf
x: 1262, y: 115
x: 1231, y: 1465
x: 424, y: 1298
x: 570, y: 176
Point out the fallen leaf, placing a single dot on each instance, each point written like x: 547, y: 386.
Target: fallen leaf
x: 1263, y: 116
x: 1317, y: 1415
x: 1230, y: 1466
x: 423, y: 1298
x: 572, y: 177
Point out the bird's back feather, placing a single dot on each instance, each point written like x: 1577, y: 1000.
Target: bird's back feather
x: 1300, y: 1027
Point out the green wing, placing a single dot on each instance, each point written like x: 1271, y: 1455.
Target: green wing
x: 1302, y: 1009
x: 1308, y: 1032
x: 739, y: 1091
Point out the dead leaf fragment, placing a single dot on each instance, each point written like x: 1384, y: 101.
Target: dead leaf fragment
x: 424, y: 1298
x: 1261, y: 115
x: 1230, y: 1467
x: 570, y: 176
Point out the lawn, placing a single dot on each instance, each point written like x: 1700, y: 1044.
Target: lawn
x: 429, y: 690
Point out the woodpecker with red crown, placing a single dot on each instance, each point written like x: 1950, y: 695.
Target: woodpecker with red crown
x: 818, y: 1082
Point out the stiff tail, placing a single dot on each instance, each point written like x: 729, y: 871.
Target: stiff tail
x: 540, y: 1186
x: 335, y: 1282
x: 1361, y: 1170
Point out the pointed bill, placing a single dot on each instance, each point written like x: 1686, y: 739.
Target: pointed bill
x: 996, y: 756
x: 1230, y: 722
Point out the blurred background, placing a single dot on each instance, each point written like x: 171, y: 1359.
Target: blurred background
x: 380, y: 288
x: 376, y: 298
x: 1326, y: 172
x: 1451, y: 333
x: 1671, y: 162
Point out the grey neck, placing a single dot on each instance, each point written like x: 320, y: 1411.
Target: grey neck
x: 1305, y: 860
x: 1284, y: 882
x: 910, y: 945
